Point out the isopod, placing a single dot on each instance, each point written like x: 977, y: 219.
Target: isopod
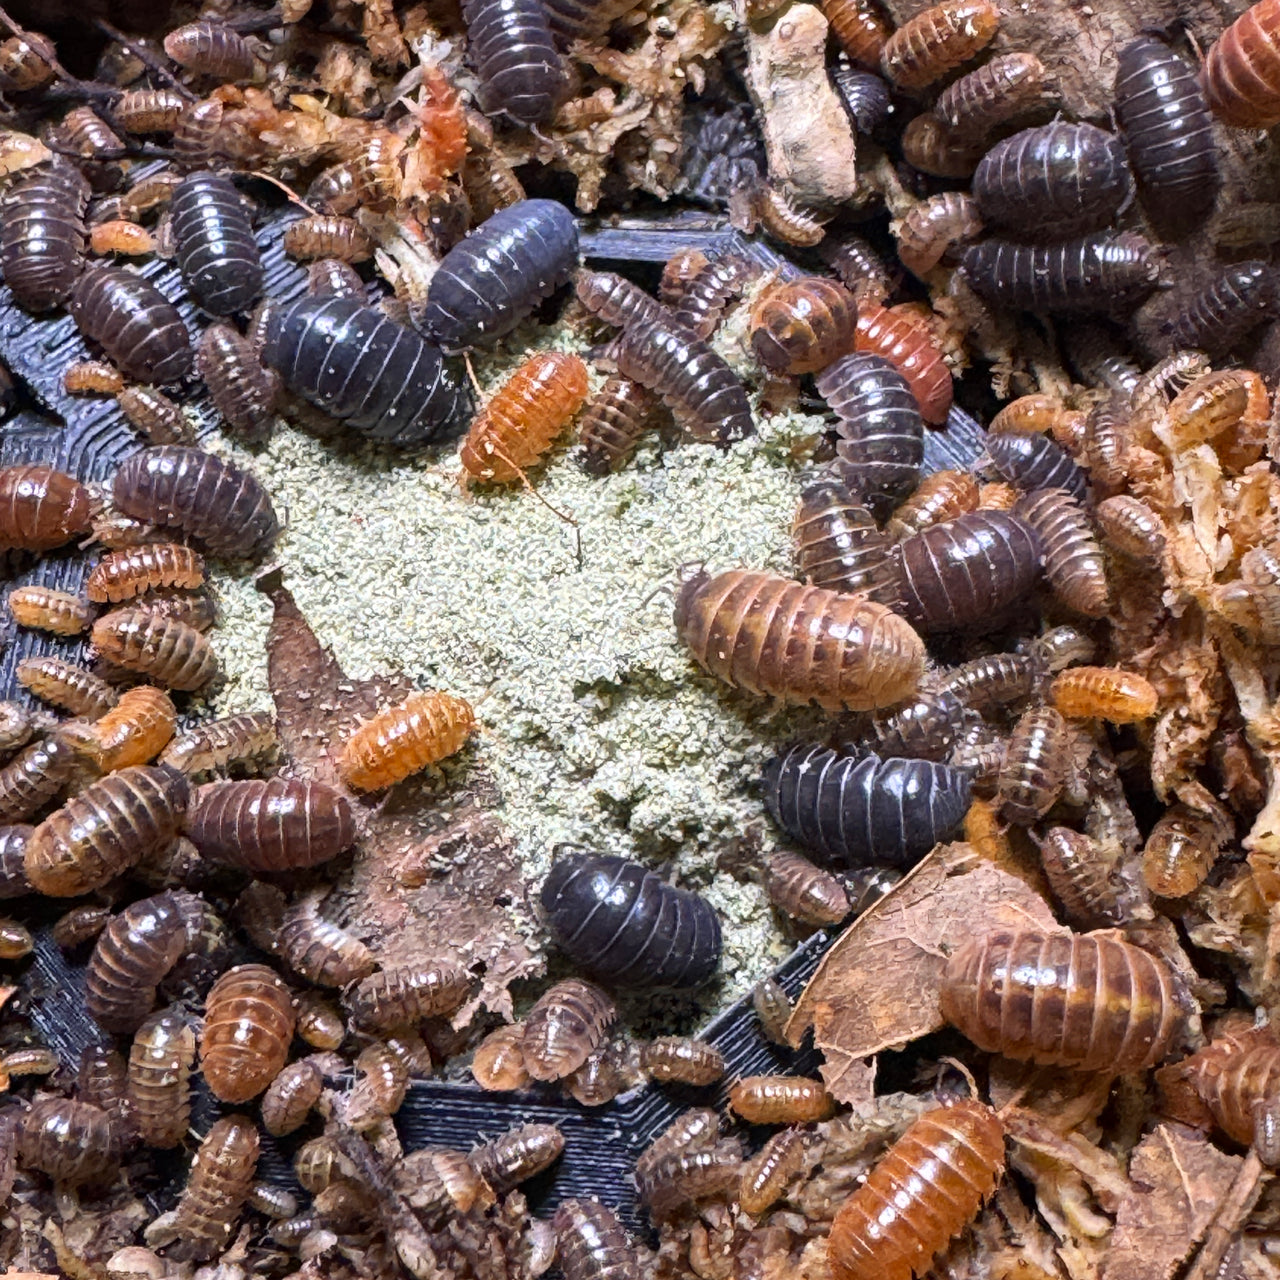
x: 924, y: 728
x: 1234, y: 301
x: 859, y: 267
x: 290, y: 1097
x: 683, y: 1177
x: 1131, y: 527
x: 591, y: 1244
x: 148, y: 110
x: 126, y: 239
x: 158, y: 418
x: 864, y: 94
x: 929, y: 146
x: 1073, y: 560
x: 520, y: 71
x: 997, y: 92
x: 135, y: 951
x: 122, y: 575
x: 517, y: 1155
x: 41, y: 508
x: 1180, y: 852
x: 781, y: 1100
x: 765, y: 1177
x: 804, y: 892
x: 242, y: 391
x: 1241, y: 74
x: 222, y: 1174
x: 498, y: 1063
x: 160, y: 1062
x: 937, y: 39
x: 837, y: 546
x: 44, y: 609
x: 1105, y: 693
x: 42, y: 236
x: 248, y: 1024
x: 327, y: 235
x: 214, y: 244
x: 216, y: 744
x: 929, y: 231
x: 319, y: 950
x: 680, y: 1060
x: 902, y: 338
x: 564, y: 1027
x: 333, y: 278
x: 1082, y: 877
x: 938, y: 498
x: 133, y: 732
x: 1035, y: 765
x: 211, y: 49
x: 168, y: 651
x: 801, y: 326
x: 70, y: 1141
x: 92, y: 377
x: 859, y: 29
x: 26, y: 62
x: 397, y: 998
x: 612, y: 423
x: 702, y: 304
x: 134, y: 323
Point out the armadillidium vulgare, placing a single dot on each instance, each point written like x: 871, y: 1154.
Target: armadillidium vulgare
x: 1235, y: 300
x: 864, y: 95
x: 122, y: 575
x: 521, y: 75
x: 248, y: 1023
x: 937, y: 39
x: 804, y: 892
x: 42, y: 236
x: 939, y: 497
x: 134, y: 323
x: 396, y: 998
x: 319, y: 950
x: 170, y: 652
x: 900, y: 336
x: 612, y: 423
x: 290, y: 1097
x: 214, y: 244
x: 26, y: 62
x: 133, y: 732
x: 1241, y: 75
x: 242, y: 391
x: 41, y: 508
x: 133, y: 953
x: 1073, y: 561
x: 803, y: 325
x: 210, y: 49
x: 43, y: 609
x: 70, y: 1141
x: 1033, y: 462
x: 837, y: 546
x: 221, y: 1175
x: 1131, y: 527
x: 404, y: 739
x: 781, y: 1100
x: 217, y: 744
x: 627, y: 926
x: 929, y: 231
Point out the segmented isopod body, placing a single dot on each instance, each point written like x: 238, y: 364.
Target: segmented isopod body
x: 210, y: 49
x: 658, y: 352
x: 134, y: 323
x: 837, y: 546
x: 1235, y: 301
x: 520, y: 71
x: 134, y: 952
x: 15, y: 942
x: 168, y: 651
x: 248, y: 1023
x: 124, y: 238
x: 997, y: 92
x: 1236, y: 1076
x: 804, y: 892
x: 925, y: 48
x: 681, y: 1060
x: 859, y: 267
x: 517, y: 1155
x: 967, y: 572
x: 158, y: 418
x: 925, y: 728
x: 33, y: 777
x: 1212, y: 405
x: 133, y: 732
x: 70, y: 1141
x: 319, y: 950
x: 781, y: 1100
x: 272, y: 825
x: 939, y: 497
x: 365, y: 370
x: 1034, y: 462
x: 902, y: 338
x: 880, y: 432
x: 290, y: 1097
x: 160, y: 1062
x: 13, y: 873
x: 524, y: 418
x: 1101, y: 272
x: 380, y: 1085
x: 212, y: 500
x: 591, y: 1244
x: 26, y: 62
x: 1180, y: 852
x: 1092, y: 1002
x: 1035, y: 765
x: 221, y: 1177
x: 1054, y: 181
x: 41, y: 508
x: 612, y: 423
x: 242, y: 391
x: 327, y: 235
x: 216, y: 744
x: 1131, y: 527
x: 925, y: 1191
x: 84, y: 133
x: 928, y: 231
x: 864, y: 95
x: 333, y: 278
x: 320, y: 1023
x: 765, y: 1177
x: 1107, y: 693
x: 148, y: 110
x: 564, y: 1027
x: 396, y: 998
x: 92, y: 377
x: 773, y: 1009
x: 776, y: 637
x: 44, y: 609
x: 401, y: 741
x: 498, y: 1063
x: 859, y: 29
x: 928, y: 145
x: 1073, y: 560
x: 1241, y: 74
x: 122, y: 575
x: 214, y: 244
x: 784, y: 219
x: 681, y: 1177
x: 42, y: 236
x: 1081, y: 876
x: 701, y: 305
x: 803, y: 325
x: 1169, y: 132
x: 489, y: 282
x: 196, y: 137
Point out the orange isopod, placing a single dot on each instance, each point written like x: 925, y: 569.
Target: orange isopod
x: 1180, y: 852
x: 92, y: 377
x: 63, y: 684
x: 41, y: 509
x: 1212, y: 405
x: 43, y: 609
x: 933, y: 42
x: 118, y: 236
x: 1241, y: 76
x: 907, y: 342
x: 524, y: 417
x: 1104, y: 693
x: 927, y: 1188
x: 784, y: 219
x: 123, y: 574
x: 803, y: 325
x: 498, y: 1063
x: 781, y: 1100
x: 940, y: 497
x: 859, y: 29
x: 765, y: 1176
x: 398, y: 742
x: 134, y: 731
x: 1238, y: 1078
x: 248, y: 1024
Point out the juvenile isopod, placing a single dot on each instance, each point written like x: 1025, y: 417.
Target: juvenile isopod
x: 327, y: 235
x: 222, y: 1174
x: 498, y: 1063
x: 242, y: 391
x: 1073, y: 560
x: 170, y: 652
x: 1089, y: 1002
x: 148, y: 110
x: 837, y: 546
x: 134, y: 323
x: 381, y: 1081
x: 937, y: 39
x: 524, y: 418
x: 122, y: 575
x: 73, y: 1142
x: 210, y: 49
x: 924, y: 728
x: 217, y: 744
x: 1218, y: 316
x: 1035, y: 765
x: 773, y: 1009
x: 333, y: 278
x: 44, y: 609
x: 404, y: 739
x: 398, y: 998
x: 133, y: 732
x: 804, y: 892
x: 1081, y: 875
x: 939, y: 497
x: 998, y: 91
x: 680, y: 1060
x: 929, y: 231
x: 320, y: 1023
x: 678, y: 1178
x: 564, y: 1027
x: 858, y: 266
x: 290, y: 1097
x: 1104, y: 693
x: 864, y: 94
x: 33, y: 777
x: 612, y: 423
x: 1241, y: 74
x: 1180, y: 852
x: 160, y: 1062
x: 42, y: 236
x: 214, y: 244
x: 125, y: 239
x: 765, y: 1177
x: 319, y: 950
x: 1130, y: 526
x: 859, y: 29
x: 703, y: 303
x: 591, y: 1244
x: 781, y: 1100
x: 41, y: 508
x: 26, y: 62
x: 520, y: 71
x: 929, y: 146
x: 248, y: 1024
x: 776, y: 637
x: 905, y: 340
x: 1236, y: 1076
x: 155, y: 416
x: 516, y: 1156
x: 92, y: 377
x: 133, y: 953
x: 864, y: 810
x: 801, y: 326
x: 923, y: 1192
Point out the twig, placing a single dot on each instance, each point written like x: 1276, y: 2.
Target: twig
x: 58, y: 69
x: 146, y: 57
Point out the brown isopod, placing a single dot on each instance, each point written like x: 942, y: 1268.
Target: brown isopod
x: 133, y: 732
x: 210, y: 49
x: 105, y: 829
x: 33, y: 777
x: 290, y: 1097
x: 599, y: 1080
x: 695, y: 1130
x: 1073, y: 560
x: 79, y: 925
x: 148, y: 110
x: 940, y: 497
x: 26, y: 62
x: 241, y: 389
x: 160, y: 1062
x: 523, y: 418
x: 133, y: 953
x: 92, y: 377
x: 901, y: 336
x: 776, y: 637
x: 15, y: 729
x: 859, y: 29
x: 803, y: 325
x: 591, y: 1244
x: 498, y: 1063
x: 73, y: 1142
x: 773, y: 1008
x: 319, y: 1162
x: 1241, y: 75
x: 564, y: 1027
x: 1081, y: 875
x: 681, y: 1060
x: 517, y: 1155
x: 15, y: 940
x: 121, y: 575
x: 683, y: 1177
x: 1211, y: 406
x: 65, y: 685
x: 1236, y: 1076
x: 215, y: 745
x: 325, y: 235
x: 320, y: 1021
x: 44, y: 609
x: 41, y: 508
x: 765, y: 1177
x: 1104, y: 693
x: 392, y: 999
x: 29, y: 1062
x: 422, y: 730
x: 170, y: 652
x: 319, y: 950
x: 158, y: 418
x: 785, y: 220
x: 196, y: 136
x: 803, y: 891
x: 929, y: 230
x: 221, y: 1175
x: 837, y: 546
x: 1260, y: 576
x: 929, y: 146
x: 1180, y: 852
x: 1035, y: 766
x: 196, y: 609
x: 997, y: 92
x: 678, y: 274
x: 612, y: 423
x: 781, y: 1100
x: 1090, y: 1002
x: 381, y: 1082
x: 119, y: 237
x: 148, y: 194
x: 248, y: 1023
x: 923, y: 1192
x: 936, y: 40
x: 1131, y: 527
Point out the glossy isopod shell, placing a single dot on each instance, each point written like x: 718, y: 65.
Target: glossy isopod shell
x: 1104, y: 693
x: 290, y: 1097
x: 248, y: 1024
x: 1235, y: 301
x: 33, y: 777
x: 939, y: 497
x: 929, y: 231
x: 319, y: 950
x: 1236, y: 1076
x: 26, y: 62
x: 564, y: 1027
x: 221, y: 1177
x: 42, y: 236
x: 929, y: 146
x: 119, y: 237
x: 1180, y: 852
x: 902, y: 337
x: 1073, y: 561
x: 41, y: 508
x: 210, y: 49
x: 998, y: 91
x: 765, y: 1177
x: 859, y: 29
x: 214, y: 244
x: 612, y: 423
x: 591, y: 1244
x: 401, y: 741
x: 804, y: 892
x: 92, y: 377
x: 122, y: 575
x: 1034, y: 462
x: 858, y: 266
x: 170, y: 652
x: 1081, y: 876
x: 1060, y: 999
x: 242, y: 391
x: 702, y: 304
x: 325, y: 235
x: 134, y: 323
x: 498, y: 1064
x: 216, y: 744
x: 44, y: 609
x: 160, y: 1062
x: 937, y: 39
x: 1241, y: 74
x: 865, y: 95
x: 1131, y: 527
x: 802, y: 325
x: 70, y: 1141
x: 133, y: 953
x: 924, y: 728
x: 1035, y: 765
x: 155, y: 416
x: 781, y: 1100
x: 681, y: 1060
x: 680, y: 1178
x: 837, y: 546
x: 520, y: 71
x: 333, y: 278
x: 397, y: 998
x: 517, y: 1155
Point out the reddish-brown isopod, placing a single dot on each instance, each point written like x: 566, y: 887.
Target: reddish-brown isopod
x: 217, y: 744
x: 1104, y: 693
x: 1180, y: 852
x: 134, y: 952
x: 564, y: 1027
x: 936, y: 40
x: 44, y: 609
x: 498, y: 1063
x: 121, y: 575
x: 319, y: 950
x: 70, y: 1141
x: 404, y: 739
x: 1130, y: 526
x: 41, y: 508
x: 803, y: 325
x: 65, y: 685
x: 1073, y: 560
x: 133, y: 732
x: 929, y: 230
x: 781, y: 1100
x: 33, y: 777
x: 900, y: 336
x: 160, y: 1062
x: 221, y: 1176
x: 940, y: 497
x: 765, y: 1177
x: 996, y: 92
x: 328, y: 236
x: 680, y: 1060
x: 120, y: 237
x: 210, y: 49
x: 290, y: 1097
x: 803, y: 891
x: 248, y: 1023
x: 170, y: 652
x: 1241, y: 76
x: 159, y: 419
x: 860, y: 30
x: 1035, y: 766
x: 396, y: 998
x: 92, y: 377
x: 517, y: 1155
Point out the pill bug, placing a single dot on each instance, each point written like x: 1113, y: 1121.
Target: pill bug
x: 197, y: 609
x: 1180, y: 852
x: 155, y: 416
x: 248, y: 1024
x: 804, y: 892
x: 802, y: 325
x: 591, y: 1244
x: 923, y: 1192
x: 105, y: 829
x: 133, y: 953
x: 681, y: 1060
x: 627, y: 926
x: 159, y: 1093
x: 26, y: 62
x: 167, y: 651
x: 320, y: 1023
x: 744, y: 628
x: 13, y: 874
x: 1090, y: 1002
x: 368, y: 372
x: 781, y: 217
x: 859, y: 29
x: 679, y: 1178
x: 92, y: 377
x: 126, y: 239
x: 1218, y: 316
x: 968, y: 572
x: 517, y: 1155
x: 1035, y: 765
x: 70, y: 1141
x: 41, y: 508
x: 1131, y: 527
x: 290, y: 1097
x: 404, y: 739
x: 1053, y: 181
x: 319, y: 950
x: 65, y: 685
x: 1082, y: 876
x: 148, y: 110
x: 133, y: 732
x: 397, y: 998
x: 221, y: 1176
x: 864, y: 95
x: 1030, y: 414
x: 524, y: 417
x: 1107, y: 693
x: 1073, y: 560
x: 781, y: 1100
x: 612, y: 423
x: 1033, y: 462
x: 44, y: 609
x: 929, y: 146
x: 925, y: 727
x: 489, y: 282
x: 702, y: 304
x: 655, y: 350
x: 939, y: 497
x: 328, y: 235
x: 520, y: 71
x: 214, y: 245
x: 498, y: 1062
x: 213, y: 500
x: 858, y: 266
x: 1241, y: 73
x: 906, y: 341
x: 211, y: 49
x: 998, y: 91
x: 931, y: 229
x: 880, y: 432
x: 42, y: 236
x: 1168, y: 130
x: 837, y: 546
x: 126, y: 574
x: 217, y: 744
x: 134, y: 323
x: 1100, y: 272
x: 1106, y: 441
x: 599, y: 1080
x: 333, y: 278
x: 271, y: 1202
x: 937, y: 39
x: 381, y: 1080
x: 565, y: 1025
x: 271, y: 825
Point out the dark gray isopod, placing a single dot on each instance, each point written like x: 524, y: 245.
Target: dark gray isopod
x: 134, y: 323
x: 1235, y: 301
x: 42, y: 235
x: 864, y: 810
x: 866, y: 96
x: 214, y: 243
x: 627, y: 926
x: 521, y: 74
x: 1030, y: 462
